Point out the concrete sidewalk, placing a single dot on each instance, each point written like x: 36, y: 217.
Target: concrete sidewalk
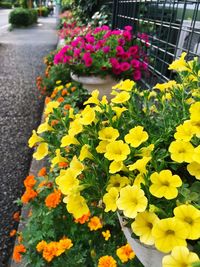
x: 21, y: 61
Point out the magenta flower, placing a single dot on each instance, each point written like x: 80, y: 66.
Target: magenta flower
x: 133, y: 50
x: 121, y: 42
x: 128, y: 28
x: 120, y: 50
x: 127, y: 35
x: 106, y: 49
x: 87, y: 59
x: 124, y: 66
x: 135, y: 63
x: 137, y: 75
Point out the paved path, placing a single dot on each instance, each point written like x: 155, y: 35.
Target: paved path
x: 21, y: 61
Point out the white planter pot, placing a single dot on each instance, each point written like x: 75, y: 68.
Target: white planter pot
x: 148, y: 255
x: 91, y: 83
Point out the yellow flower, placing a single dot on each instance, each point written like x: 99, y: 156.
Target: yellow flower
x: 164, y: 184
x: 44, y: 127
x: 195, y: 112
x: 115, y: 166
x: 110, y: 199
x: 68, y: 140
x: 57, y: 159
x: 140, y: 165
x: 190, y: 216
x: 165, y: 86
x: 125, y: 85
x: 132, y: 200
x: 179, y: 64
x: 121, y: 98
x: 169, y: 233
x: 181, y: 151
x: 58, y: 82
x: 117, y: 151
x: 101, y: 148
x: 34, y: 139
x: 194, y: 169
x: 95, y: 223
x: 117, y: 181
x: 93, y: 99
x: 50, y: 106
x: 108, y: 134
x: 196, y: 156
x: 125, y: 253
x: 106, y: 234
x: 139, y: 179
x: 104, y: 100
x: 67, y: 181
x: 184, y: 131
x: 77, y: 205
x: 75, y: 127
x: 143, y: 225
x: 146, y: 151
x: 196, y: 127
x: 136, y: 136
x: 41, y: 152
x: 119, y: 110
x: 76, y: 165
x: 85, y: 153
x: 180, y: 256
x: 107, y: 261
x: 87, y: 115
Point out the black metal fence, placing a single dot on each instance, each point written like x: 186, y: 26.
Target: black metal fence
x: 173, y: 27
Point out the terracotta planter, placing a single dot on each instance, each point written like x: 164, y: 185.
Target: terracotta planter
x: 104, y: 85
x: 148, y: 255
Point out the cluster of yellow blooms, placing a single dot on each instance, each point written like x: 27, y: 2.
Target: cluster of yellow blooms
x: 124, y: 152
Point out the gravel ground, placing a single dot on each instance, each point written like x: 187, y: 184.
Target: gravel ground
x: 21, y: 61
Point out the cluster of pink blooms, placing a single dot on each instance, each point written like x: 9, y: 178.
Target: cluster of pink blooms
x: 104, y: 51
x: 70, y: 31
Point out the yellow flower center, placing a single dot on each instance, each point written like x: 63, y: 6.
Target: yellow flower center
x: 170, y: 232
x: 117, y: 184
x: 149, y: 225
x: 188, y: 220
x: 165, y: 183
x: 181, y: 150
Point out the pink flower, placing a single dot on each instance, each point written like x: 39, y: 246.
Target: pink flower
x: 116, y: 32
x: 77, y: 52
x: 89, y: 38
x: 125, y: 56
x: 121, y: 42
x: 144, y: 65
x: 89, y: 47
x: 115, y: 64
x: 128, y: 28
x: 137, y: 75
x: 120, y: 50
x: 124, y: 66
x: 116, y: 71
x: 127, y: 35
x: 135, y: 63
x: 105, y: 28
x: 106, y: 49
x: 87, y: 59
x: 133, y: 50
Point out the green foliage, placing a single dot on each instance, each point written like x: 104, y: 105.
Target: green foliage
x: 5, y: 5
x: 43, y: 11
x: 23, y: 17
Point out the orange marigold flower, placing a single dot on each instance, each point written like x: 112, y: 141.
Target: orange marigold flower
x: 125, y: 253
x: 83, y: 218
x: 63, y: 164
x: 95, y: 223
x: 54, y: 122
x: 73, y: 88
x: 53, y: 199
x: 62, y: 245
x: 16, y: 216
x: 19, y: 238
x: 13, y: 233
x: 42, y: 172
x: 67, y: 106
x: 64, y: 92
x: 47, y: 100
x: 49, y: 251
x: 60, y: 99
x: 28, y: 195
x: 17, y: 257
x: 30, y: 181
x: 107, y: 261
x: 41, y: 245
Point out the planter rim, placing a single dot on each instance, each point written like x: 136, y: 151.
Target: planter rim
x: 92, y: 79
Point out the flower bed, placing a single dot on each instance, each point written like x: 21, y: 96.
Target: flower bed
x: 138, y: 154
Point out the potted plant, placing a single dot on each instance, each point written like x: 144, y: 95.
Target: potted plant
x: 137, y: 156
x: 102, y: 56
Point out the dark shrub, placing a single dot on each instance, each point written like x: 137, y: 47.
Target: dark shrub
x: 22, y: 17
